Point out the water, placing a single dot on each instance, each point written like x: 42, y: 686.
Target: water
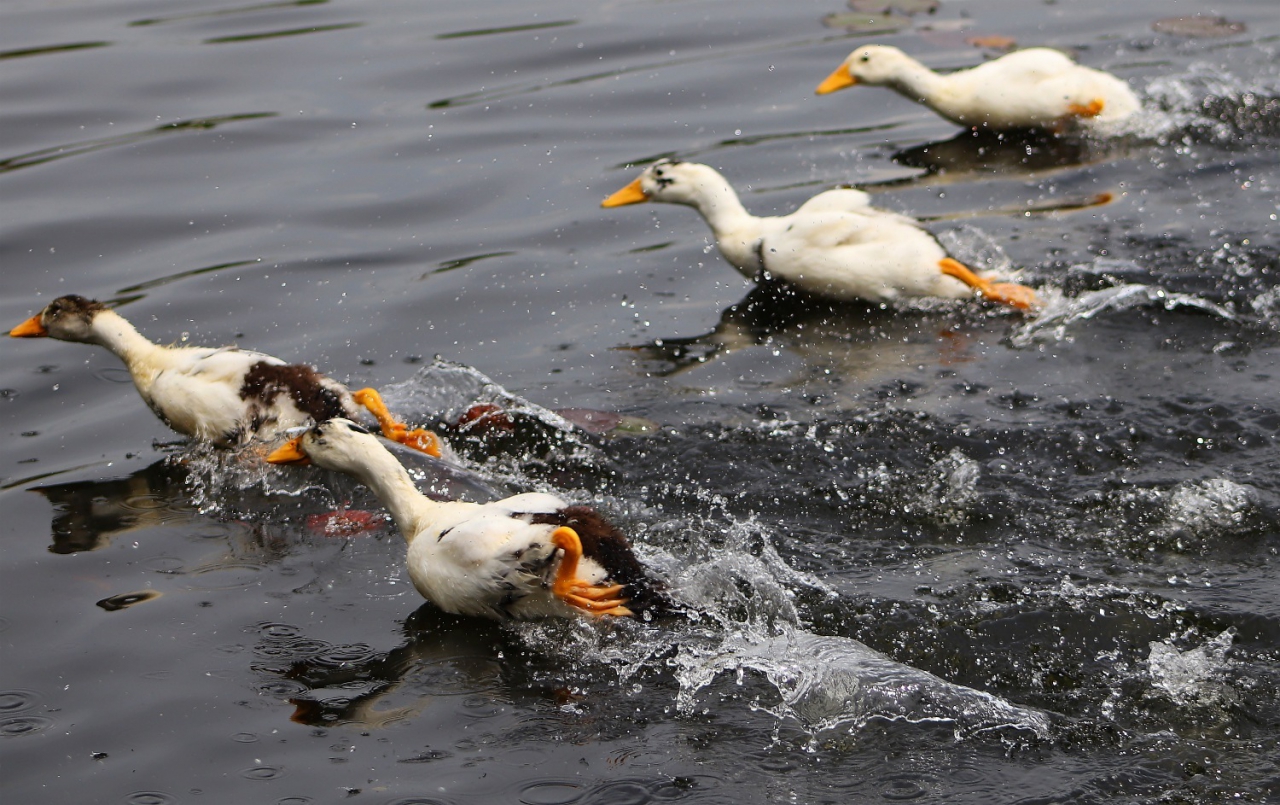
x: 944, y: 553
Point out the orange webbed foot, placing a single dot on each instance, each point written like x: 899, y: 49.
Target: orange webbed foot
x: 592, y: 599
x: 1091, y: 109
x: 395, y: 430
x: 1006, y: 293
x: 1013, y: 295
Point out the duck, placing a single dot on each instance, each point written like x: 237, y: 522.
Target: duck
x: 523, y: 557
x: 225, y: 396
x: 835, y: 245
x: 1035, y: 88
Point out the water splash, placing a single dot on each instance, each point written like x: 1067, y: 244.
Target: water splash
x: 1060, y: 312
x: 1191, y: 677
x: 829, y: 682
x: 1209, y: 104
x: 444, y: 389
x: 1212, y: 505
x: 978, y: 250
x: 743, y: 625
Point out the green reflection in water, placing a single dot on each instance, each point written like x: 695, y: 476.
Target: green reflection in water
x: 534, y: 26
x: 314, y: 29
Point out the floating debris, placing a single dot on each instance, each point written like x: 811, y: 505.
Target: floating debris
x: 907, y: 7
x: 992, y: 42
x: 858, y: 23
x: 116, y: 603
x: 1198, y: 26
x: 346, y: 523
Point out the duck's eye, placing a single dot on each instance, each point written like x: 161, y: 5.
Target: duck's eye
x: 865, y: 58
x: 658, y: 173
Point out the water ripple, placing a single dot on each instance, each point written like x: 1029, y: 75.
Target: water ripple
x: 47, y: 49
x: 551, y: 792
x: 45, y: 155
x: 263, y: 773
x: 21, y: 726
x: 15, y: 701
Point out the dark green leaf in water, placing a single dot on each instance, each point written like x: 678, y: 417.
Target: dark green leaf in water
x: 867, y: 23
x: 892, y: 6
x: 1198, y: 26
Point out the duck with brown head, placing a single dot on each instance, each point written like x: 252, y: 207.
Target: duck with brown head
x: 223, y: 395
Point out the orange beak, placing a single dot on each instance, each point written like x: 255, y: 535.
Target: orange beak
x: 31, y: 328
x: 289, y: 453
x: 631, y: 194
x: 839, y: 79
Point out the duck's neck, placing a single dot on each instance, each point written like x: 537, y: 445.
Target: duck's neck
x: 719, y: 204
x: 391, y: 483
x: 917, y: 82
x: 112, y: 331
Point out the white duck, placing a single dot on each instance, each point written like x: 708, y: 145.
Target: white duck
x: 527, y: 556
x: 226, y: 396
x: 1032, y: 88
x: 835, y: 245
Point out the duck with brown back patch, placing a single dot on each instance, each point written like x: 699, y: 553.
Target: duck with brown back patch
x: 527, y: 556
x: 226, y: 396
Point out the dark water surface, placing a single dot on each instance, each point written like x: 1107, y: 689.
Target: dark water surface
x: 943, y: 554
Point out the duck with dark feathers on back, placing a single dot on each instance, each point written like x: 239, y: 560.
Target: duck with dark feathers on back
x: 223, y: 395
x: 527, y: 556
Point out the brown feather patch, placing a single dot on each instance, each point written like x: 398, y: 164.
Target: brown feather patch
x: 604, y: 543
x: 304, y: 385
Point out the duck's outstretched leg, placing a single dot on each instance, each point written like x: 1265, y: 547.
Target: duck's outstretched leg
x: 1006, y: 293
x: 1091, y: 109
x: 594, y: 600
x: 394, y: 429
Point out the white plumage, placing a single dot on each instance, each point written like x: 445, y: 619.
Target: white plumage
x: 1032, y: 88
x: 223, y: 395
x: 835, y: 244
x: 520, y: 557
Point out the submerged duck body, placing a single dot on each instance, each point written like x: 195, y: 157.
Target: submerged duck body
x: 527, y: 556
x: 834, y: 245
x: 222, y: 395
x: 1032, y: 88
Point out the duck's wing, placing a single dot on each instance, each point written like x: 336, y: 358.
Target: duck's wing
x: 846, y: 256
x: 201, y: 398
x: 1031, y: 66
x: 528, y: 504
x: 217, y: 364
x: 488, y: 564
x: 828, y: 230
x: 841, y: 198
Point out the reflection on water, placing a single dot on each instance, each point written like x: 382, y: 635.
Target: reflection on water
x: 441, y: 656
x: 87, y: 515
x: 856, y: 343
x: 63, y: 151
x: 1005, y: 154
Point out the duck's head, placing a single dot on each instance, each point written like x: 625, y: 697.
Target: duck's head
x: 335, y: 444
x: 672, y: 181
x: 67, y: 318
x: 875, y: 65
